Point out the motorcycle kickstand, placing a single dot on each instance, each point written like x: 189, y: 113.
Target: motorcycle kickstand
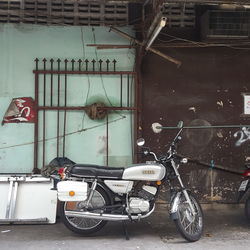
x: 125, y: 230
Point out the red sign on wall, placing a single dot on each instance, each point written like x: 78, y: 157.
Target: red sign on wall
x: 20, y: 110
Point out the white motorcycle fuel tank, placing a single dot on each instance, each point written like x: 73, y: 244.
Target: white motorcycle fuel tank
x: 144, y: 172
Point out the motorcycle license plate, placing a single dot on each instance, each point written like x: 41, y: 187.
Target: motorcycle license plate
x: 243, y: 185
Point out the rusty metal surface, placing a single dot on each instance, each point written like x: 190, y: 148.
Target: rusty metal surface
x: 70, y: 72
x: 205, y: 90
x: 35, y: 170
x: 83, y: 108
x: 62, y: 71
x: 65, y: 105
x: 111, y: 46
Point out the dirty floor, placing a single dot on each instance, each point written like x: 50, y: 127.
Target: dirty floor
x: 225, y: 228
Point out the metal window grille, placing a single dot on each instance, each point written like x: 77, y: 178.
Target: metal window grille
x: 229, y: 23
x: 53, y: 81
x: 223, y: 24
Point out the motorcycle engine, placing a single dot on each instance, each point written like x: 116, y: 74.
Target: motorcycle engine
x: 147, y: 192
x: 137, y: 205
x: 141, y: 204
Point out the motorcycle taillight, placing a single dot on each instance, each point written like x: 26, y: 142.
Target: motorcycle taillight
x: 61, y: 172
x: 246, y: 173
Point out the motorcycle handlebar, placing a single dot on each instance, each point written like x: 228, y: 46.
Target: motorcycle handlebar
x: 171, y: 151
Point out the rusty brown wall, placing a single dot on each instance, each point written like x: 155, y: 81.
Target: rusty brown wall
x: 205, y: 90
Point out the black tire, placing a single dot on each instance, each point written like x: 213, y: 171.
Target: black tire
x: 80, y: 227
x: 190, y: 227
x: 247, y: 208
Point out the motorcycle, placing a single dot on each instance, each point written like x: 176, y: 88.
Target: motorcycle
x: 92, y: 195
x: 244, y: 191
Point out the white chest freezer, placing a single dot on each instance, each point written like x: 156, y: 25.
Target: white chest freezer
x: 27, y: 199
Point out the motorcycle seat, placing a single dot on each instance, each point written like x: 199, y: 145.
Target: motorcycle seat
x: 96, y: 171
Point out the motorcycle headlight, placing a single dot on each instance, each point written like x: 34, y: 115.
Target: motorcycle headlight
x: 184, y: 160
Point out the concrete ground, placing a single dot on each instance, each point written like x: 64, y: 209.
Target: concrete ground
x: 225, y: 228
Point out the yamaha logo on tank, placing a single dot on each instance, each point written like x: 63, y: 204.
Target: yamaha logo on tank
x: 148, y: 172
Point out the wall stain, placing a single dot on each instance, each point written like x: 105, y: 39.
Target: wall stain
x: 102, y: 142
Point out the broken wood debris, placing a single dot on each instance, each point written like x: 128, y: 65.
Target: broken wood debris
x: 135, y: 41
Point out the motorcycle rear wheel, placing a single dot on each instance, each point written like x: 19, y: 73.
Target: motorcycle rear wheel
x: 247, y: 208
x: 85, y: 226
x: 190, y: 226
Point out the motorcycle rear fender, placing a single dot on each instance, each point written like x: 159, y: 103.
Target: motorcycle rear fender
x: 102, y: 185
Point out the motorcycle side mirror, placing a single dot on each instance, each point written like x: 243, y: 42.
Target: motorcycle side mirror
x: 180, y: 124
x: 140, y: 142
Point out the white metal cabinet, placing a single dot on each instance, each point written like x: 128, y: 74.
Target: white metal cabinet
x: 27, y: 199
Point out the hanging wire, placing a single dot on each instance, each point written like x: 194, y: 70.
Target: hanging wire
x: 87, y: 96
x: 131, y: 84
x: 203, y: 44
x: 101, y: 77
x: 131, y: 22
x: 67, y: 134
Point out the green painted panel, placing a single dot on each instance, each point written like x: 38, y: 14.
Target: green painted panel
x: 19, y: 46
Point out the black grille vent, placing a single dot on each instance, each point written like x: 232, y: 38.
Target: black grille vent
x: 69, y: 12
x: 179, y: 15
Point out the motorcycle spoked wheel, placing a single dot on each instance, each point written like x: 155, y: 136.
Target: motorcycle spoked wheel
x: 85, y: 226
x: 189, y: 226
x: 247, y: 209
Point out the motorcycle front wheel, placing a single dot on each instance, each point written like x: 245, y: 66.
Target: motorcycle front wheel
x: 190, y: 226
x: 81, y: 225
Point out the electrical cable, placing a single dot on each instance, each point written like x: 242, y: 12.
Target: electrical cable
x: 203, y: 44
x: 199, y: 44
x: 132, y: 120
x: 131, y: 83
x: 84, y: 56
x: 101, y: 77
x: 182, y: 39
x: 67, y: 134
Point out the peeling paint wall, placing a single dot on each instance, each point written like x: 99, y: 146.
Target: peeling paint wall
x: 205, y: 90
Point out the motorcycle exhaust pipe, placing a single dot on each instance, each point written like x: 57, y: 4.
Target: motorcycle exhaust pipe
x: 108, y: 217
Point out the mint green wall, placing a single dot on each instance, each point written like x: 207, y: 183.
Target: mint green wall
x: 19, y: 46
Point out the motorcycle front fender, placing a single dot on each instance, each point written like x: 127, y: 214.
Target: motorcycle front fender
x: 174, y: 206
